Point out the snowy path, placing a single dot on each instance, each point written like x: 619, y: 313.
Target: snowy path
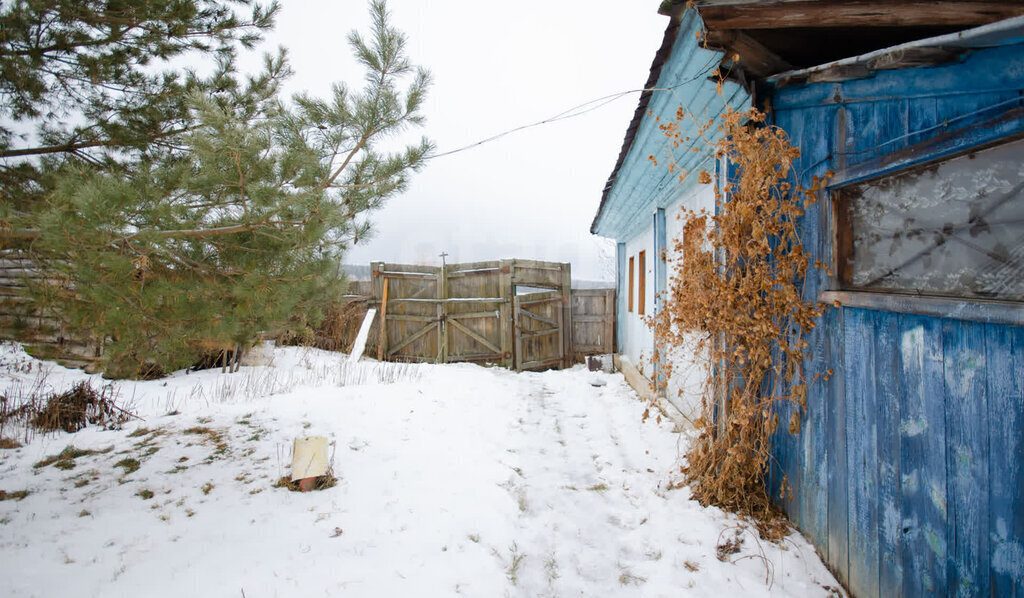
x: 465, y: 482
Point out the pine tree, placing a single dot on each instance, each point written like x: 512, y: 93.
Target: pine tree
x: 87, y: 81
x: 241, y: 227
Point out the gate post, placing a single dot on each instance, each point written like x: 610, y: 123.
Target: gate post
x: 505, y: 312
x: 565, y: 326
x: 442, y: 315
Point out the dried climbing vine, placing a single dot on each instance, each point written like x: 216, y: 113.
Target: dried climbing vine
x: 737, y: 285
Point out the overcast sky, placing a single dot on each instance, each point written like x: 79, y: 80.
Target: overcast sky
x: 496, y: 66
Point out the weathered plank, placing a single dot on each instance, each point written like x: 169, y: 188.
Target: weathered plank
x: 1004, y: 354
x: 967, y: 457
x: 505, y: 315
x: 890, y: 496
x: 838, y: 463
x: 923, y: 456
x: 443, y: 331
x: 477, y: 337
x: 861, y: 421
x: 975, y: 310
x: 858, y: 13
x: 411, y: 339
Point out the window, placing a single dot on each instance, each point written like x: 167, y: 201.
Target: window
x: 630, y: 300
x: 642, y: 290
x: 953, y: 228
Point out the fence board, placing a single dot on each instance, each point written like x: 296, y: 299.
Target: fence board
x: 41, y: 330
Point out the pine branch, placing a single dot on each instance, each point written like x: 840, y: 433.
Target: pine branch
x: 74, y: 147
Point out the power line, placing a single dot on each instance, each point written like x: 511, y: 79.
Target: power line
x: 579, y: 110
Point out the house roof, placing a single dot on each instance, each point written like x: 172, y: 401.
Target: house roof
x: 762, y: 39
x: 779, y: 35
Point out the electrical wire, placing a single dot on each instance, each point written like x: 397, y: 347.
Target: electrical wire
x: 580, y: 110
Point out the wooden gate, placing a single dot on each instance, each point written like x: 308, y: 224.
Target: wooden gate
x: 467, y: 312
x: 593, y: 322
x: 539, y: 330
x: 476, y: 313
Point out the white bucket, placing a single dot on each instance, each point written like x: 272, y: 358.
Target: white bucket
x: 309, y: 457
x: 260, y: 354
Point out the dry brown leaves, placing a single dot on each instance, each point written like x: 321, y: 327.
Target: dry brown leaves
x: 739, y: 285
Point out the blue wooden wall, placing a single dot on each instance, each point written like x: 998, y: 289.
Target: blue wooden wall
x: 907, y: 472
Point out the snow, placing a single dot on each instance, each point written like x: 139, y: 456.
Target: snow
x: 454, y: 480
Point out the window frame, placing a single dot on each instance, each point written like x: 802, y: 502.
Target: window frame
x: 1003, y: 129
x: 642, y: 287
x: 629, y: 302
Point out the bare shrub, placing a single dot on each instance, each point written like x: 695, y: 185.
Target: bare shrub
x: 340, y: 327
x: 739, y: 288
x: 69, y: 411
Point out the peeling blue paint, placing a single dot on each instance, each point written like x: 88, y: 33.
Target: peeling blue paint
x: 1007, y: 554
x: 936, y: 542
x: 914, y: 427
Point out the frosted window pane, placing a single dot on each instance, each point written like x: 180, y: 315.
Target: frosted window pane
x: 954, y: 228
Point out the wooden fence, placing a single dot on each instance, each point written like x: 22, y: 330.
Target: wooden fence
x: 520, y: 314
x: 24, y: 321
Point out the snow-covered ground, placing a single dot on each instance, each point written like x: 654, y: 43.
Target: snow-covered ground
x: 454, y: 480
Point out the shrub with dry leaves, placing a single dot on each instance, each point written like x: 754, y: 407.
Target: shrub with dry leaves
x: 737, y: 284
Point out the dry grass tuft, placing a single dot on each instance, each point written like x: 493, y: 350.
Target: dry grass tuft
x: 322, y: 483
x: 66, y: 458
x: 15, y: 495
x: 68, y: 411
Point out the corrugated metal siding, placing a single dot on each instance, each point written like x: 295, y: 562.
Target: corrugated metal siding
x: 640, y: 187
x: 907, y: 471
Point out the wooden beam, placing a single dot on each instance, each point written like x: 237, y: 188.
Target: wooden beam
x: 474, y: 314
x: 382, y: 324
x: 442, y: 313
x: 753, y: 56
x: 535, y: 333
x: 915, y: 57
x: 854, y: 13
x: 410, y: 340
x: 473, y: 335
x: 533, y: 316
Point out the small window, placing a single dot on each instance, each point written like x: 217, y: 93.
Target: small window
x: 953, y: 228
x: 642, y: 290
x: 630, y: 300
